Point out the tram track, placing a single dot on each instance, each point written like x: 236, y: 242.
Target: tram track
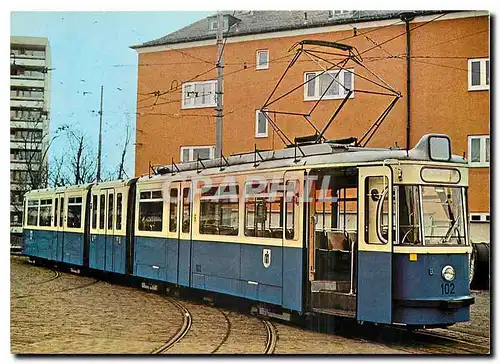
x: 228, y: 331
x: 468, y: 342
x: 54, y: 277
x: 272, y: 337
x: 179, y: 335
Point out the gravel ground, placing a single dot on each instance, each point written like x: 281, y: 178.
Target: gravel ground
x: 75, y: 314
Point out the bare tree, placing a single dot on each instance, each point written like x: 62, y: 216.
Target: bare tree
x: 121, y: 166
x: 82, y: 163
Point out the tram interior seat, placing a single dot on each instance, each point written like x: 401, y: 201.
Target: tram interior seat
x: 333, y: 255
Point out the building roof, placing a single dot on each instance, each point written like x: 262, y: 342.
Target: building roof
x: 255, y: 22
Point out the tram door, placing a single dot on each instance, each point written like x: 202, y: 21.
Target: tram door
x: 58, y: 227
x: 102, y: 230
x: 109, y: 231
x: 375, y: 244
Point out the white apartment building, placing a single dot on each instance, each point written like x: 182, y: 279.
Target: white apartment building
x: 29, y: 119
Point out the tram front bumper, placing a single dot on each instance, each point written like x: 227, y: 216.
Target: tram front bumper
x: 455, y: 302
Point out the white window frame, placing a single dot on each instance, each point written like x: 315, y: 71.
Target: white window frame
x: 335, y: 13
x: 483, y: 217
x: 184, y: 97
x: 191, y: 149
x: 213, y: 24
x: 482, y: 151
x: 257, y: 134
x: 317, y: 94
x: 263, y: 66
x: 482, y: 78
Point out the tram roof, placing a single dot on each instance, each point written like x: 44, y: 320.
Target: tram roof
x: 315, y: 154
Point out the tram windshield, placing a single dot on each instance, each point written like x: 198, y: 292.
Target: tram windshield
x: 439, y: 208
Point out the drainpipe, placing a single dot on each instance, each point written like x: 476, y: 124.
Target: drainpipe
x: 407, y: 17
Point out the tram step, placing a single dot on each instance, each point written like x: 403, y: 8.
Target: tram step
x: 334, y: 286
x: 334, y: 300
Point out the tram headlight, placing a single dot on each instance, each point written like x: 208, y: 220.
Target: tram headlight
x: 448, y: 273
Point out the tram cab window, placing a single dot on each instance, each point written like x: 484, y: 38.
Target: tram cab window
x: 186, y: 210
x: 219, y: 209
x: 264, y: 209
x: 172, y: 225
x: 409, y: 216
x: 45, y: 212
x: 150, y: 210
x: 74, y: 212
x: 33, y: 212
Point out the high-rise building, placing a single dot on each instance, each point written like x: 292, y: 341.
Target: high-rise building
x: 29, y: 120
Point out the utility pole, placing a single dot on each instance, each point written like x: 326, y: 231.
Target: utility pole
x: 220, y: 66
x: 99, y: 147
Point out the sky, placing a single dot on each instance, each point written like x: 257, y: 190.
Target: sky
x: 90, y: 49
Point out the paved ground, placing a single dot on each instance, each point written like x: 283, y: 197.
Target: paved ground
x: 62, y: 313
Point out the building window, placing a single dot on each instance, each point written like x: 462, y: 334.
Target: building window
x: 213, y: 24
x: 151, y: 210
x: 479, y: 74
x: 198, y: 94
x: 479, y: 217
x: 479, y: 151
x: 219, y: 210
x: 262, y: 59
x: 191, y: 154
x: 333, y: 84
x: 261, y: 124
x: 337, y: 13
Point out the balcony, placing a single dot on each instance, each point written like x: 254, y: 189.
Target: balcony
x: 31, y: 125
x: 27, y: 61
x: 33, y: 104
x: 27, y: 81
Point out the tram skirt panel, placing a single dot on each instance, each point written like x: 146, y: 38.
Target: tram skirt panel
x: 73, y: 248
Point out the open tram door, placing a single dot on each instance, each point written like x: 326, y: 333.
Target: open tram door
x: 374, y: 273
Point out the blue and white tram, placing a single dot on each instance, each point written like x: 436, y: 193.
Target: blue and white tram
x: 375, y: 234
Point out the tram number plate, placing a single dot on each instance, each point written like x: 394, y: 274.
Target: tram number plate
x: 447, y: 288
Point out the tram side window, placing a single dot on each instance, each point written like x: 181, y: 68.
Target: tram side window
x: 186, y: 210
x: 61, y: 212
x: 102, y: 208
x: 264, y: 209
x: 94, y: 211
x: 119, y: 211
x: 56, y: 212
x: 45, y: 212
x: 110, y: 211
x: 33, y: 212
x: 219, y: 210
x: 292, y: 202
x: 74, y: 212
x: 172, y: 225
x: 150, y: 211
